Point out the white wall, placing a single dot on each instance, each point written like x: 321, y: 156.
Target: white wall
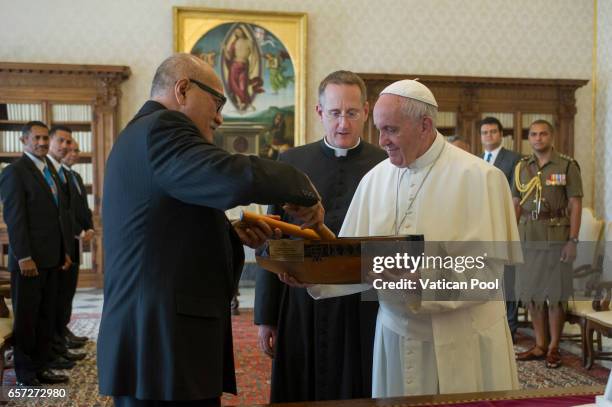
x: 519, y: 38
x: 603, y: 141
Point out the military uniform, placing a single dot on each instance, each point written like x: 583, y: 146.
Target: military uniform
x: 544, y: 225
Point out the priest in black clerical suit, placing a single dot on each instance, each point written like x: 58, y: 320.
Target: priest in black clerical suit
x: 323, y: 349
x: 172, y: 259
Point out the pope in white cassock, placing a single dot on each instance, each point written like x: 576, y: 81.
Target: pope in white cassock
x: 430, y: 187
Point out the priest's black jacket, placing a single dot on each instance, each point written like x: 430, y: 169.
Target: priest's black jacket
x: 324, y: 347
x: 172, y: 261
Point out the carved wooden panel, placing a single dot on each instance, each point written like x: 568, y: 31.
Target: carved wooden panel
x: 469, y: 97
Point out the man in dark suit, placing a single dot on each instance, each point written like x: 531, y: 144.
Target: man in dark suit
x: 37, y: 218
x: 83, y: 229
x: 60, y: 141
x: 172, y: 259
x: 322, y: 350
x: 491, y: 133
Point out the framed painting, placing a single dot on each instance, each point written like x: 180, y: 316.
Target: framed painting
x: 260, y: 58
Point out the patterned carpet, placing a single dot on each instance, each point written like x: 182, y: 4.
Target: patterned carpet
x: 82, y: 390
x: 253, y: 368
x: 534, y: 374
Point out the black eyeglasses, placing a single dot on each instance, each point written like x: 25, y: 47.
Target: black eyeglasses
x: 221, y: 99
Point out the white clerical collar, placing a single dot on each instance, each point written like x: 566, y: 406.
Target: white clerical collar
x: 430, y: 155
x: 340, y: 152
x: 40, y: 164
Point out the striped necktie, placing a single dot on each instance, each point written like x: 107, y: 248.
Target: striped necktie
x: 488, y: 158
x: 51, y: 183
x: 62, y: 175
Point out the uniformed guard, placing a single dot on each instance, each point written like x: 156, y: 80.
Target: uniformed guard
x: 547, y: 195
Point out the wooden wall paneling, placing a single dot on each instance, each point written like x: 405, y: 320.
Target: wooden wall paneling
x: 518, y: 130
x: 469, y: 97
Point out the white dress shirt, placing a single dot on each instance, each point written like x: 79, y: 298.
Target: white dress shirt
x: 494, y: 154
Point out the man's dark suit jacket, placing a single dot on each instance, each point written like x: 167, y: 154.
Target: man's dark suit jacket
x: 37, y: 227
x: 82, y: 216
x: 506, y: 161
x: 68, y: 194
x: 172, y: 260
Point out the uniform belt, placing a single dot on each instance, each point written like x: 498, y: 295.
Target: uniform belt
x: 559, y: 213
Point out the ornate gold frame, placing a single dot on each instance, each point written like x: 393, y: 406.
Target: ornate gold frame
x: 190, y: 23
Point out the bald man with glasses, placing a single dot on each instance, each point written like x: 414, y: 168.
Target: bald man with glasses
x: 172, y: 260
x: 219, y: 97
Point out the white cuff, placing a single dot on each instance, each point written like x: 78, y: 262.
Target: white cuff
x: 321, y: 291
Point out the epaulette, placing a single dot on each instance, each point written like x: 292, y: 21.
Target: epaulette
x: 524, y: 159
x: 570, y: 160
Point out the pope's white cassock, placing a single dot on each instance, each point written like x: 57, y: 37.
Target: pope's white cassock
x: 438, y: 346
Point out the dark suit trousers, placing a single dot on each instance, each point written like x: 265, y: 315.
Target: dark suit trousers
x: 67, y: 284
x: 125, y: 401
x: 34, y: 303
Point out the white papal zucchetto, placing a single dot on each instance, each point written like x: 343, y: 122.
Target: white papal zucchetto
x: 412, y: 89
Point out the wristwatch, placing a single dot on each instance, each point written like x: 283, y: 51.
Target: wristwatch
x: 573, y: 240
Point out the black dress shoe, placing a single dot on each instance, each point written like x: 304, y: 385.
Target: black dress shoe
x: 66, y: 354
x: 70, y: 344
x: 70, y: 335
x: 73, y: 355
x: 60, y: 363
x: 47, y: 376
x: 33, y: 382
x: 57, y: 350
